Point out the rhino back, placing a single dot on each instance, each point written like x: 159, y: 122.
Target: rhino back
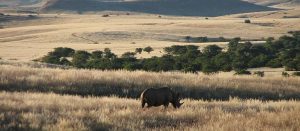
x: 157, y: 96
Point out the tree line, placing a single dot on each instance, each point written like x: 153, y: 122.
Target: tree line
x: 238, y: 56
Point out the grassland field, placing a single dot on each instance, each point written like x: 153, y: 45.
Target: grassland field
x: 35, y: 96
x: 25, y: 40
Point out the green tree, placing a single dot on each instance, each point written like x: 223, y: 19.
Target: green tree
x: 223, y: 61
x: 148, y: 49
x: 258, y: 61
x: 52, y: 59
x: 97, y: 54
x: 65, y: 61
x: 139, y: 50
x: 63, y: 52
x: 108, y: 54
x: 80, y: 59
x: 212, y: 50
x: 128, y: 55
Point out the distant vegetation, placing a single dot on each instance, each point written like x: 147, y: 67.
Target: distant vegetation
x: 247, y: 21
x: 239, y: 56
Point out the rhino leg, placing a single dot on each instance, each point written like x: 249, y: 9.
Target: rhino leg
x: 143, y: 103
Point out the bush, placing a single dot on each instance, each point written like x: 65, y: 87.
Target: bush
x: 296, y: 74
x: 97, y: 54
x: 247, y: 21
x: 52, y: 59
x: 259, y: 73
x: 65, y: 61
x: 105, y: 15
x: 222, y: 39
x: 108, y: 54
x: 209, y: 67
x: 128, y: 55
x: 285, y: 74
x: 188, y: 38
x: 202, y: 39
x: 274, y: 63
x: 63, y: 52
x: 139, y: 50
x: 80, y: 59
x: 242, y: 72
x: 148, y: 49
x: 32, y: 16
x: 212, y: 50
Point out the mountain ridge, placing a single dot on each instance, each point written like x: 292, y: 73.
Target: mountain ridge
x: 164, y: 7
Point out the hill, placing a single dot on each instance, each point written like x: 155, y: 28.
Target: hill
x: 18, y: 2
x: 165, y: 7
x: 274, y: 2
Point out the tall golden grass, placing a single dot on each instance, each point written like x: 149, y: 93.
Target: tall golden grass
x: 48, y: 111
x: 130, y: 84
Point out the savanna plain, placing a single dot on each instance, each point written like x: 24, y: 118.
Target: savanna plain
x: 36, y: 96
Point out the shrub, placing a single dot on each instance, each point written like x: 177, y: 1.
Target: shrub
x: 222, y: 39
x: 285, y: 74
x: 188, y: 38
x: 63, y: 52
x: 259, y: 73
x: 80, y: 59
x: 247, y: 21
x: 52, y: 59
x: 97, y: 54
x: 65, y: 61
x: 128, y: 55
x: 212, y: 50
x: 139, y: 50
x: 32, y: 16
x: 148, y: 49
x: 242, y: 72
x: 274, y: 63
x: 209, y: 67
x: 296, y: 74
x: 202, y: 39
x: 105, y: 15
x: 108, y: 54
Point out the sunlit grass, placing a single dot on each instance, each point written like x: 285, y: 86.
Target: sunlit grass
x: 130, y: 84
x: 55, y: 112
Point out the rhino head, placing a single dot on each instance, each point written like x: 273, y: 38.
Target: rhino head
x: 176, y: 101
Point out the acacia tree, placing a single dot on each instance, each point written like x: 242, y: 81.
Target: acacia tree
x: 148, y: 49
x: 80, y: 59
x: 128, y: 55
x: 139, y: 50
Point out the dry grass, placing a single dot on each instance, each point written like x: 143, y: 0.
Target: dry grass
x: 27, y: 40
x: 35, y: 111
x: 131, y: 84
